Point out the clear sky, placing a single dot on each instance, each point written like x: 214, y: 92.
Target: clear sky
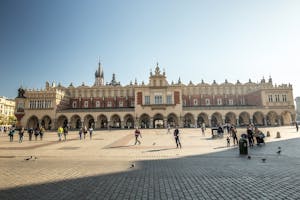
x: 62, y: 40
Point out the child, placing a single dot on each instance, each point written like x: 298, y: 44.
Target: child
x: 228, y: 141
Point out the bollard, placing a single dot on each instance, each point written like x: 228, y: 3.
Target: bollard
x: 278, y: 134
x: 268, y: 133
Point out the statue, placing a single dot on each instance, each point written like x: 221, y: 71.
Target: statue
x: 21, y: 93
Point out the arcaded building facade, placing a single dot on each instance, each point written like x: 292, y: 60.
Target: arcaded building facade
x: 156, y: 104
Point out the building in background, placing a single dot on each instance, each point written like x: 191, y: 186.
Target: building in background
x: 297, y: 109
x: 7, y: 109
x: 156, y: 104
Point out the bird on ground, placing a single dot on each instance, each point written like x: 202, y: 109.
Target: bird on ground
x: 249, y: 157
x: 278, y: 152
x: 28, y: 158
x: 279, y: 147
x: 264, y: 159
x: 154, y: 143
x: 132, y: 165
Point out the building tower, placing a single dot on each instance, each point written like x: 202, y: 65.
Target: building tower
x: 99, y: 76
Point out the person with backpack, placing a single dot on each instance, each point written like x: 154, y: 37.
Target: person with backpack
x: 60, y: 131
x: 176, y: 136
x: 11, y: 134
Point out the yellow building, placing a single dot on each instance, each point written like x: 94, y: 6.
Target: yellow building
x: 7, y: 108
x: 155, y: 104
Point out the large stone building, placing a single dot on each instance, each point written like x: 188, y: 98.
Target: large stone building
x: 297, y: 109
x: 7, y: 108
x: 155, y: 104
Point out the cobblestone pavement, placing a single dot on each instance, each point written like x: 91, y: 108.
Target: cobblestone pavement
x: 101, y: 168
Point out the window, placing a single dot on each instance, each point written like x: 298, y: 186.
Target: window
x: 270, y: 98
x: 158, y: 99
x: 120, y: 103
x: 276, y: 97
x: 230, y: 102
x: 74, y: 105
x: 147, y: 100
x: 242, y: 100
x: 207, y: 102
x: 109, y: 104
x: 132, y: 103
x: 86, y: 104
x: 219, y: 101
x: 97, y: 104
x: 169, y: 99
x: 284, y: 97
x: 195, y: 102
x: 184, y: 102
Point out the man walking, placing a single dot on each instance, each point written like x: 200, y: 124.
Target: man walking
x: 137, y: 133
x: 176, y: 136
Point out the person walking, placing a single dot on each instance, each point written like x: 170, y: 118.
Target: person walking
x: 60, y: 131
x: 176, y: 136
x: 80, y: 133
x: 84, y: 132
x: 234, y: 135
x: 65, y: 132
x: 21, y: 135
x: 42, y: 130
x: 91, y: 132
x: 250, y: 135
x: 11, y: 134
x: 297, y: 127
x: 203, y: 129
x: 137, y: 134
x: 36, y: 133
x: 30, y: 133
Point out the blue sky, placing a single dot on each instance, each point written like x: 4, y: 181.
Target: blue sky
x: 62, y: 40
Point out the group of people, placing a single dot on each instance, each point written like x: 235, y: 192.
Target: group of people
x: 39, y: 131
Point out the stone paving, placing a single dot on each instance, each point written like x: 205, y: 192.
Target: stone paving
x: 101, y: 168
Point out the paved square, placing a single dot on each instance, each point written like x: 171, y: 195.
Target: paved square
x: 101, y: 168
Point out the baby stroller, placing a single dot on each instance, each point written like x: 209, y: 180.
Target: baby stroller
x: 260, y: 139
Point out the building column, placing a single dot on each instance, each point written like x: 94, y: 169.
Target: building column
x: 265, y: 122
x: 251, y: 120
x: 237, y: 122
x: 122, y: 124
x: 165, y: 122
x: 136, y: 123
x: 151, y: 123
x: 195, y: 119
x: 209, y: 122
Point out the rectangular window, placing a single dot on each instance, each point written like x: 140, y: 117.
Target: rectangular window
x: 230, y: 102
x: 74, y: 105
x: 158, y: 99
x: 207, y: 102
x: 270, y: 98
x: 86, y: 104
x: 284, y: 98
x: 219, y: 101
x: 121, y: 104
x: 276, y: 97
x: 97, y: 104
x: 147, y: 100
x: 195, y: 102
x: 109, y: 104
x: 169, y: 99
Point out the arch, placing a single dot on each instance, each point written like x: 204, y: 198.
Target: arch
x: 144, y: 121
x: 172, y: 120
x: 258, y: 119
x: 115, y: 121
x: 46, y: 122
x: 230, y: 118
x: 102, y: 122
x: 129, y: 121
x: 188, y: 120
x: 158, y: 121
x: 75, y: 122
x: 33, y: 122
x: 202, y: 118
x: 272, y: 118
x: 286, y: 118
x: 89, y: 121
x: 216, y: 119
x: 244, y: 119
x: 62, y: 121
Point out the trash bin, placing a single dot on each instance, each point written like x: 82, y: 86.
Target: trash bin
x: 243, y: 145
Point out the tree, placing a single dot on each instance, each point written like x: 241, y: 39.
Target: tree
x: 12, y: 120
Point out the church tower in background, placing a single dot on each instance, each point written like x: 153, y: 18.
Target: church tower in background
x: 99, y: 76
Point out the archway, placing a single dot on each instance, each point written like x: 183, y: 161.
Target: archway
x: 129, y: 121
x: 102, y: 121
x: 188, y: 120
x: 216, y: 119
x: 202, y: 118
x: 62, y: 121
x: 272, y: 118
x: 244, y: 119
x: 75, y: 122
x: 33, y: 122
x: 286, y: 118
x: 230, y: 118
x: 172, y: 120
x: 158, y: 121
x: 258, y: 119
x: 115, y: 121
x: 89, y: 121
x: 145, y: 121
x: 46, y: 122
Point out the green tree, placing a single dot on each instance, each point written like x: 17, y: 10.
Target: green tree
x: 12, y: 120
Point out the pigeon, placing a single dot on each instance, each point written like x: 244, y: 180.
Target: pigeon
x: 154, y: 143
x: 249, y: 157
x: 132, y: 165
x: 28, y: 158
x: 278, y: 152
x: 279, y: 147
x: 264, y: 159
